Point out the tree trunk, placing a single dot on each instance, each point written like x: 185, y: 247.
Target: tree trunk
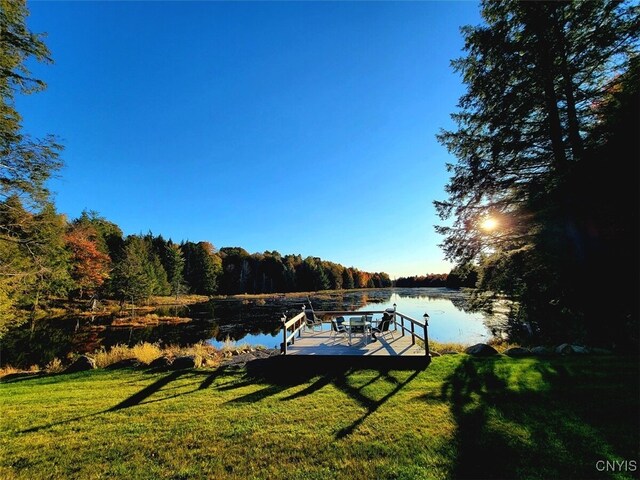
x: 573, y: 124
x: 538, y: 18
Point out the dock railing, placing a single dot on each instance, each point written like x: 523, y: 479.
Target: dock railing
x: 295, y: 326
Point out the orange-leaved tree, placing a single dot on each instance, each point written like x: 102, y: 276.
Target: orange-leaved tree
x: 90, y: 266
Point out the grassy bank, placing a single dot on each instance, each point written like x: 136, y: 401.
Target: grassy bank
x: 286, y: 418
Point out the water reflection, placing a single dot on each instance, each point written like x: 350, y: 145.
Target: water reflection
x: 253, y: 321
x: 451, y: 317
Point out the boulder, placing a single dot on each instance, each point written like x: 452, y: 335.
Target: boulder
x: 81, y: 364
x: 126, y: 363
x: 579, y: 349
x: 568, y: 349
x: 481, y: 350
x: 160, y: 363
x: 601, y: 351
x: 263, y: 354
x: 435, y: 354
x: 449, y: 352
x: 517, y: 352
x: 180, y: 363
x: 540, y: 351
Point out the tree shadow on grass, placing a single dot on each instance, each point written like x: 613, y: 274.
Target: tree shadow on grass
x: 278, y: 373
x: 142, y: 397
x: 516, y: 421
x: 284, y: 372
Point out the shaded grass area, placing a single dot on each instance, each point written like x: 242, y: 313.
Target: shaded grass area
x: 356, y: 418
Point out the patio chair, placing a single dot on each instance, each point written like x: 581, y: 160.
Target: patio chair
x: 311, y: 320
x: 382, y: 329
x: 337, y: 328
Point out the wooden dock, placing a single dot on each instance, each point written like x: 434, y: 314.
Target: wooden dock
x: 324, y: 343
x: 300, y: 337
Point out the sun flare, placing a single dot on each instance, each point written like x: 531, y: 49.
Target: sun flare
x: 489, y: 224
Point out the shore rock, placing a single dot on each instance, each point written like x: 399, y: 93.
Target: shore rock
x: 601, y: 351
x: 481, y: 350
x: 81, y: 364
x: 160, y: 363
x: 517, y: 352
x: 180, y: 363
x: 580, y: 349
x: 243, y: 358
x: 126, y: 363
x: 540, y: 351
x: 568, y: 349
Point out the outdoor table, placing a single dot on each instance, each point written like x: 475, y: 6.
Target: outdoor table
x: 359, y: 322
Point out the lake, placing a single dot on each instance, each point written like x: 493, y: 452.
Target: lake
x: 230, y: 321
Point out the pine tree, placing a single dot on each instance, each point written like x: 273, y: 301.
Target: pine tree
x: 534, y: 73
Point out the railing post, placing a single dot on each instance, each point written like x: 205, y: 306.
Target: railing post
x: 426, y: 337
x: 302, y: 321
x: 284, y: 333
x: 413, y: 333
x: 401, y: 320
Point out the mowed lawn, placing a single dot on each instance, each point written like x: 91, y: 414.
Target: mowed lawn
x: 293, y: 418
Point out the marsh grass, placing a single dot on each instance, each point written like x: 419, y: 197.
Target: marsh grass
x: 204, y: 355
x: 296, y: 418
x: 143, y: 352
x: 434, y: 346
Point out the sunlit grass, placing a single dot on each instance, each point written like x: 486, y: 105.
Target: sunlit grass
x: 458, y: 418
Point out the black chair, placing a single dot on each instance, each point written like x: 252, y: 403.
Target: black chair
x: 337, y: 328
x: 382, y: 328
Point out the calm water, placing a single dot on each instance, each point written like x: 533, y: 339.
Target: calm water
x: 234, y: 321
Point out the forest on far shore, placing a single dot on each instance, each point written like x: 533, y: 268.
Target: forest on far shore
x: 90, y: 257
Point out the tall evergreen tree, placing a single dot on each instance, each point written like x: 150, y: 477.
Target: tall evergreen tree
x: 203, y: 267
x: 133, y: 276
x: 534, y: 72
x: 175, y: 268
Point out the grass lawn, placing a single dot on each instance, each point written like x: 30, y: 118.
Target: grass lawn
x: 287, y: 417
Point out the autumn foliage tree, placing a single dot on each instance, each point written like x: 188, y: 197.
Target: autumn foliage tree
x: 90, y: 266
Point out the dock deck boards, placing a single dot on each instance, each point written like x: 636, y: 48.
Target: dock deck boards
x: 323, y: 343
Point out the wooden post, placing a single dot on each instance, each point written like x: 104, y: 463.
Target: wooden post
x: 413, y: 334
x: 426, y: 338
x: 401, y: 320
x: 284, y: 334
x: 302, y: 320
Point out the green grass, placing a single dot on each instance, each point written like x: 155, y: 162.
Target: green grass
x: 288, y: 418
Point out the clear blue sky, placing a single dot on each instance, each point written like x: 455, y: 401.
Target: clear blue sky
x: 299, y: 127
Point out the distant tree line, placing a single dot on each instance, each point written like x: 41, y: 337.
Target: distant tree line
x: 429, y: 280
x: 459, y: 276
x: 90, y: 256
